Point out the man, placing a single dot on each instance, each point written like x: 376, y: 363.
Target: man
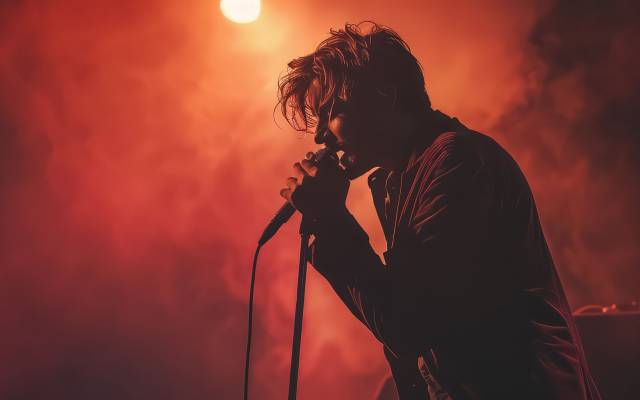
x: 468, y: 305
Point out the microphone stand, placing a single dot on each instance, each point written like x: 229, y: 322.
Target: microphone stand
x: 297, y: 325
x: 281, y: 217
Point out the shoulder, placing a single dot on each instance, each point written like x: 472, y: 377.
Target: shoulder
x: 460, y: 147
x: 475, y: 161
x: 465, y: 161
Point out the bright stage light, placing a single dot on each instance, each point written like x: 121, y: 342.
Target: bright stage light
x: 241, y: 11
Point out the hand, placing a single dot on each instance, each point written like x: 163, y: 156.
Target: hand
x: 317, y: 190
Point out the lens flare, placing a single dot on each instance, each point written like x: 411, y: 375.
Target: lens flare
x: 240, y: 11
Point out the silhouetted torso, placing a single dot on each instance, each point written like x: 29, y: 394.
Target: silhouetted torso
x: 469, y: 286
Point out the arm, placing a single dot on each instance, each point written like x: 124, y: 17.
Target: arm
x: 433, y: 272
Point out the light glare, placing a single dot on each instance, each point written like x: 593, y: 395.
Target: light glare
x: 240, y: 11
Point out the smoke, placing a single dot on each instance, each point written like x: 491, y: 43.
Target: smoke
x: 576, y: 130
x: 139, y: 162
x: 111, y: 287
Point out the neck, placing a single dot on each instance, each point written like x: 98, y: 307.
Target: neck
x: 406, y: 128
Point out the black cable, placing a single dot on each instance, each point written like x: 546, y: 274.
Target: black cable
x: 247, y: 359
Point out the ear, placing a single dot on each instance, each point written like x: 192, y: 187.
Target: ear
x: 388, y: 95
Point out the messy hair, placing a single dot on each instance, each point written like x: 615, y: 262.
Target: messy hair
x: 349, y: 60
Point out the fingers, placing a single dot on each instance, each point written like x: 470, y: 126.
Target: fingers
x: 303, y: 170
x: 309, y: 167
x: 299, y: 170
x: 292, y: 183
x: 286, y: 193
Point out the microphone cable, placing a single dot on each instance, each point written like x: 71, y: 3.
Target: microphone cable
x: 281, y: 217
x: 249, y: 330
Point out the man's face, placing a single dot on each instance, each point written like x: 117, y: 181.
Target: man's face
x: 356, y: 127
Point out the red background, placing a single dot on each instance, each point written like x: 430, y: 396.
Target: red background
x: 139, y: 162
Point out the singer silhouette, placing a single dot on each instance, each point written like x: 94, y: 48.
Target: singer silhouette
x: 467, y: 304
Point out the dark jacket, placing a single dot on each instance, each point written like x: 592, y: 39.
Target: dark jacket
x: 468, y: 287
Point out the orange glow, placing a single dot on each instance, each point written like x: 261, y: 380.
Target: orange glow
x: 139, y: 163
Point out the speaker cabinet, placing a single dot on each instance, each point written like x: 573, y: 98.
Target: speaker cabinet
x: 612, y: 345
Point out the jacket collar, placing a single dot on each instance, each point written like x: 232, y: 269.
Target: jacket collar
x: 435, y: 122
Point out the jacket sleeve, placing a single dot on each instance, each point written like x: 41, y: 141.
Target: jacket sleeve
x: 430, y: 284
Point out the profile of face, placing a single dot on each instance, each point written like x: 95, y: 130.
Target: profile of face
x: 359, y: 127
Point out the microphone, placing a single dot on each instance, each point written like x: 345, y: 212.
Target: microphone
x: 287, y: 210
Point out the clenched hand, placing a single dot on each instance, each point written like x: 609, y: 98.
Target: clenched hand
x: 317, y: 190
